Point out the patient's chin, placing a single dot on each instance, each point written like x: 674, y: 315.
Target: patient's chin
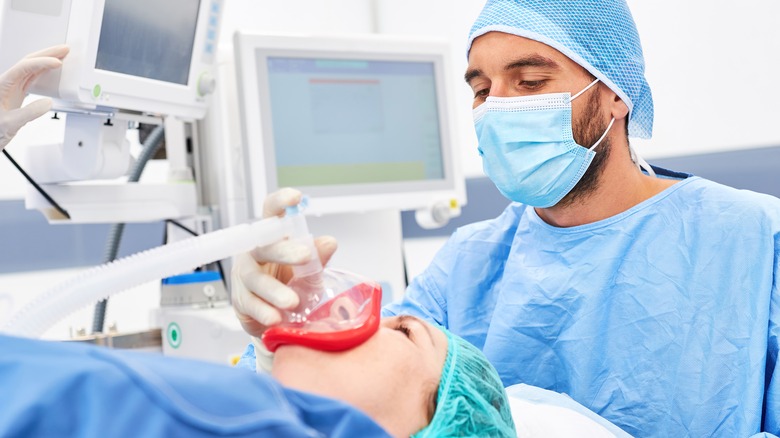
x: 289, y: 350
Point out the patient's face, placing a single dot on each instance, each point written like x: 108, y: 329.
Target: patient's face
x: 396, y: 369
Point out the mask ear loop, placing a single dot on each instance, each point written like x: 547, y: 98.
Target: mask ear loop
x: 611, y: 122
x: 639, y: 161
x: 584, y: 89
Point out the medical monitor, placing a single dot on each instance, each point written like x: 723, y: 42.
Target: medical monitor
x: 140, y: 55
x: 357, y: 123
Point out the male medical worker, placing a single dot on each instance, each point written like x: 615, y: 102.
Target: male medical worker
x: 649, y: 296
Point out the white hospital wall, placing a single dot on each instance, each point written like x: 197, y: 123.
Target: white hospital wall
x: 713, y: 66
x: 303, y: 16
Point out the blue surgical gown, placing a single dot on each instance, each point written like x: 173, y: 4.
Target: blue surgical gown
x: 50, y: 389
x: 662, y: 319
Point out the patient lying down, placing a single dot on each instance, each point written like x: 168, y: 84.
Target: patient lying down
x: 408, y: 378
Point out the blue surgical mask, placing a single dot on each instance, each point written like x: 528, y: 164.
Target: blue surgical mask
x: 528, y: 149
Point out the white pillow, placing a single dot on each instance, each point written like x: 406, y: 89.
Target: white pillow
x: 540, y: 412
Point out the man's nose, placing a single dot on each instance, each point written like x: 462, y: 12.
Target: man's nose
x: 502, y: 89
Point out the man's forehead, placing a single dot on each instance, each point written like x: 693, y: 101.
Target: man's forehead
x: 508, y: 46
x: 506, y: 50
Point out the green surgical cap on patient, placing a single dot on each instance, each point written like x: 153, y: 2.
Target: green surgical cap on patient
x: 471, y: 401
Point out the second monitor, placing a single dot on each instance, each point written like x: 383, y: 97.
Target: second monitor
x: 357, y: 123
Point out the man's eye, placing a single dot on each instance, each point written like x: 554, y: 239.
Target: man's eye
x: 404, y: 329
x: 532, y: 85
x: 482, y: 93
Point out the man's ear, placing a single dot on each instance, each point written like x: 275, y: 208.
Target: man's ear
x: 617, y: 107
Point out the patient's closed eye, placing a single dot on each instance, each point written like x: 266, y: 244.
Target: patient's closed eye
x: 404, y: 329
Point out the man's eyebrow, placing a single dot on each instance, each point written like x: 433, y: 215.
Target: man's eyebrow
x: 527, y: 61
x: 471, y: 74
x: 533, y: 61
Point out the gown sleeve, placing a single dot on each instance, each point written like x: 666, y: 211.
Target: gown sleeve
x: 772, y: 395
x: 63, y: 389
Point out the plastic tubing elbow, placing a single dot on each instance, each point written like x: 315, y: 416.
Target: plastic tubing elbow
x: 109, y: 279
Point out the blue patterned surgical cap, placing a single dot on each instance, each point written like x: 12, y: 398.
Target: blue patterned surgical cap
x: 599, y: 35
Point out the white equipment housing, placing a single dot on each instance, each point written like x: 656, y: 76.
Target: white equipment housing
x: 107, y: 65
x: 129, y: 61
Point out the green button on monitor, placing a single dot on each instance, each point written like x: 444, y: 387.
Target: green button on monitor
x: 173, y: 334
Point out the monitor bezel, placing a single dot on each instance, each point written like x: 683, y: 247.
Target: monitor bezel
x: 252, y: 51
x: 127, y: 92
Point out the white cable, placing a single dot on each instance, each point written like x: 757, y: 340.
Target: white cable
x: 640, y: 162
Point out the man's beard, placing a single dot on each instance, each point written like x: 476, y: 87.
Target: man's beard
x: 586, y: 131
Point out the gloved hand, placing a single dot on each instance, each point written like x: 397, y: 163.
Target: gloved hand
x: 14, y: 84
x: 259, y: 277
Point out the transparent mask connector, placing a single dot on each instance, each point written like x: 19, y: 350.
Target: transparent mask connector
x: 337, y: 309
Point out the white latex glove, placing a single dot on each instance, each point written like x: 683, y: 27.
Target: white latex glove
x: 14, y: 84
x: 259, y: 277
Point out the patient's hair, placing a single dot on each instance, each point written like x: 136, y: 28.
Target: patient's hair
x: 471, y: 400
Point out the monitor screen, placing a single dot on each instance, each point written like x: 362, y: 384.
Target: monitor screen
x: 148, y: 38
x: 337, y: 122
x: 357, y: 123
